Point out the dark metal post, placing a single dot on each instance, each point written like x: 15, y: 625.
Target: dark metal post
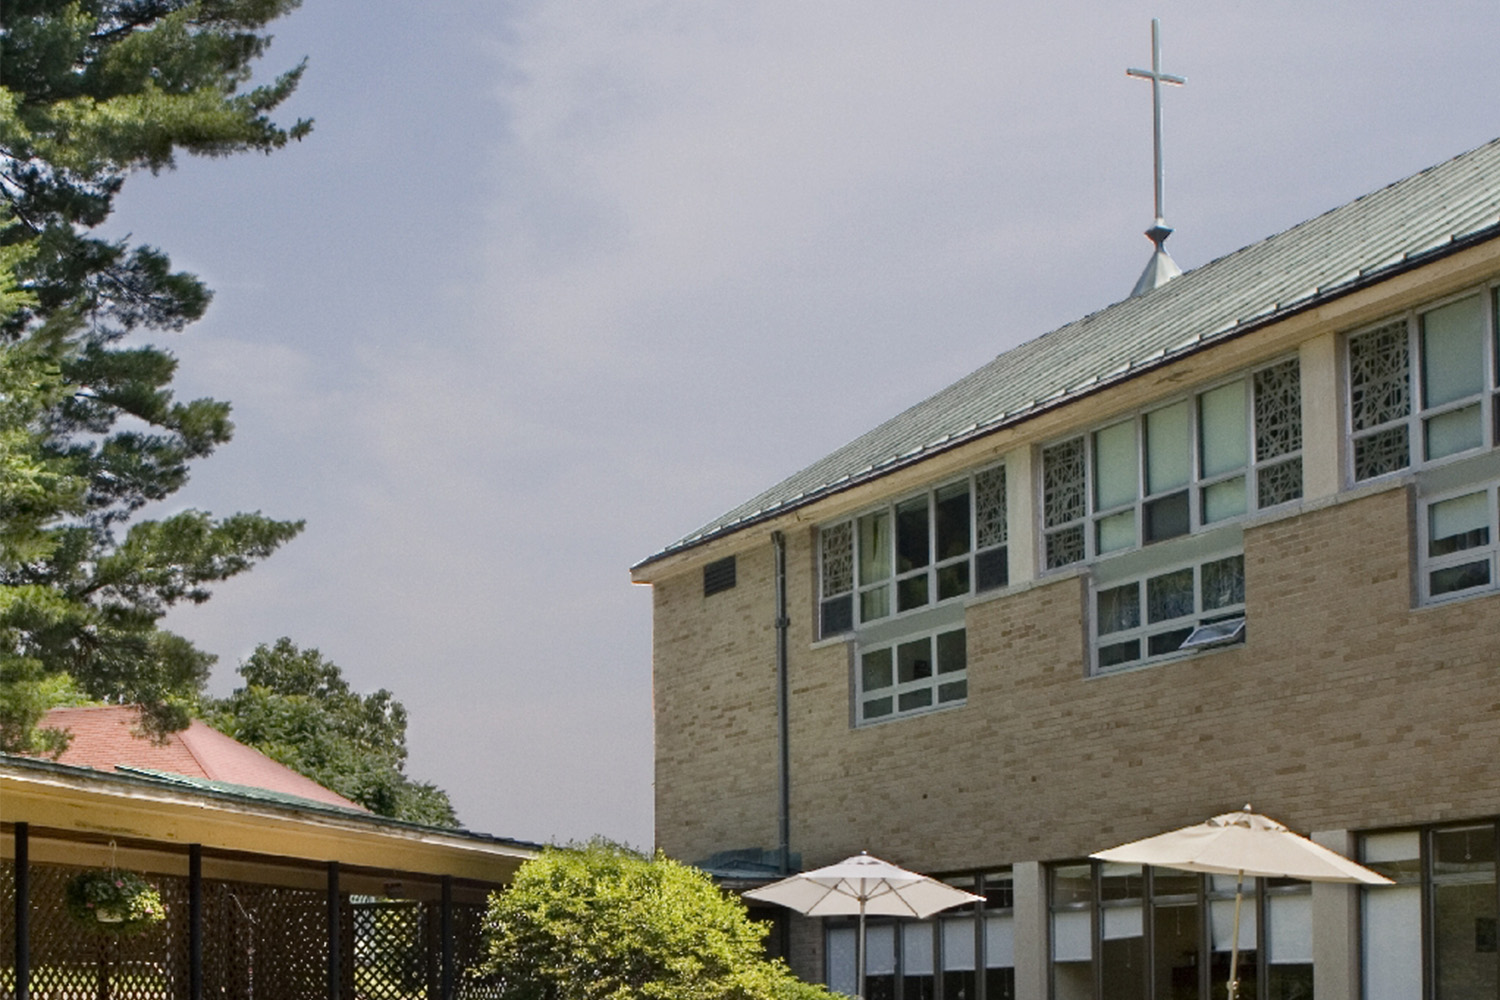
x: 783, y: 739
x: 784, y: 756
x: 195, y: 921
x: 23, y: 911
x: 335, y: 946
x: 446, y: 921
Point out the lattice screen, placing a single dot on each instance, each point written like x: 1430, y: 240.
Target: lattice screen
x: 396, y: 949
x: 260, y: 943
x: 469, y: 954
x: 71, y: 962
x: 266, y: 941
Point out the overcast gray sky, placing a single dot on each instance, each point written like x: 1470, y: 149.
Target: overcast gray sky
x: 553, y: 283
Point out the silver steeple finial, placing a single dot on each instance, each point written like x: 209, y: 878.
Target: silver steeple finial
x: 1161, y: 268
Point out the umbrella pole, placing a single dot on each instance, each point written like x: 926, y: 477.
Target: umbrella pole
x: 1234, y: 947
x: 859, y: 953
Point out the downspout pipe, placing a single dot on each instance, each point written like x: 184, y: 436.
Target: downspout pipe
x: 784, y: 767
x: 784, y: 763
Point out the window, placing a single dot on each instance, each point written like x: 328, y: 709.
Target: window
x: 1175, y: 469
x: 911, y: 676
x: 1125, y: 932
x: 1457, y: 544
x: 1436, y: 925
x: 1168, y: 611
x: 937, y: 958
x: 943, y: 544
x: 1422, y: 386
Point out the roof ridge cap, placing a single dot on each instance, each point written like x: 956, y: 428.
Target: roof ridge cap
x: 188, y: 746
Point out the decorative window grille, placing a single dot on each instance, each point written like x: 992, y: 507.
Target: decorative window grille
x: 1278, y: 434
x: 837, y: 566
x: 1422, y: 386
x: 939, y: 546
x: 1175, y: 469
x: 1152, y: 616
x: 1064, y: 501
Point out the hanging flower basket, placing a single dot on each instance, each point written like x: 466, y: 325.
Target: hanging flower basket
x: 114, y: 902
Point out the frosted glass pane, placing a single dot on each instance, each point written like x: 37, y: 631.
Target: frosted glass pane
x: 1071, y: 933
x: 1290, y: 929
x: 999, y: 942
x: 841, y: 959
x: 1454, y: 431
x: 916, y: 949
x: 880, y: 950
x: 1403, y: 845
x: 1121, y: 922
x: 958, y: 944
x: 1169, y: 449
x: 1392, y: 943
x: 1117, y: 532
x: 1452, y: 352
x: 1221, y: 417
x: 1115, y: 479
x: 1221, y: 921
x: 1225, y: 499
x: 1458, y: 516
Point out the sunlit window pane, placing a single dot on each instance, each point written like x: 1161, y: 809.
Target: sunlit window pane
x: 1452, y: 352
x: 1115, y: 477
x: 1168, y: 448
x: 1222, y: 426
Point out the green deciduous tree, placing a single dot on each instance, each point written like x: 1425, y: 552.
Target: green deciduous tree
x: 296, y: 707
x: 90, y: 431
x: 601, y: 922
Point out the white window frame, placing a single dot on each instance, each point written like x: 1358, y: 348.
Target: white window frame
x: 1145, y: 630
x: 944, y: 689
x: 1419, y: 412
x: 1198, y: 482
x: 1487, y: 552
x: 930, y: 573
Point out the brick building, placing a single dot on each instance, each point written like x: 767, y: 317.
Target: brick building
x: 1230, y: 540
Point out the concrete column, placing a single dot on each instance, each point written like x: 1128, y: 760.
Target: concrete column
x: 1020, y: 505
x: 1322, y: 418
x: 1335, y: 919
x: 1030, y: 884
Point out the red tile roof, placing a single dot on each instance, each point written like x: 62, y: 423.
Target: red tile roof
x: 108, y: 736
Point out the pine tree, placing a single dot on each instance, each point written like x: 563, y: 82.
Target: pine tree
x: 92, y: 91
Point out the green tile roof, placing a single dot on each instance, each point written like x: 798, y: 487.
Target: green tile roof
x: 1438, y: 211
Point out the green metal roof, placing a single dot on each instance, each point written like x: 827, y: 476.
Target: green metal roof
x: 1436, y: 212
x: 230, y: 788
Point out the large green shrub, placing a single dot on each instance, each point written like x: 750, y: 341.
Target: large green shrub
x: 602, y: 922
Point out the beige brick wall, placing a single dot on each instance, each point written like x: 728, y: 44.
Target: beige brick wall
x: 714, y: 693
x: 1345, y: 709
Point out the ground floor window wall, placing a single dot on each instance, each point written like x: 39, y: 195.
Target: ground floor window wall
x: 1432, y: 935
x: 967, y: 953
x: 1124, y: 932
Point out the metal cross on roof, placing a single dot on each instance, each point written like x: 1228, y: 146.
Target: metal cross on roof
x: 1157, y: 78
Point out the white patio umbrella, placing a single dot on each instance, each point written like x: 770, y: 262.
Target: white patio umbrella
x: 862, y: 885
x: 1239, y: 844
